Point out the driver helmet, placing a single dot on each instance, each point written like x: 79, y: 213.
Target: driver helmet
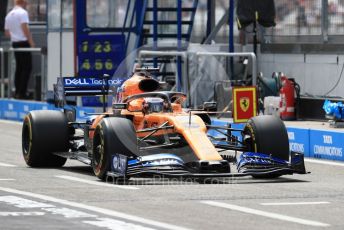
x: 153, y: 105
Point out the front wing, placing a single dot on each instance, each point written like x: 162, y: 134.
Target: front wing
x: 171, y: 166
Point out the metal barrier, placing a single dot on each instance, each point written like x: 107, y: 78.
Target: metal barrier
x: 10, y: 68
x: 181, y: 54
x: 184, y: 56
x: 224, y: 54
x: 2, y: 73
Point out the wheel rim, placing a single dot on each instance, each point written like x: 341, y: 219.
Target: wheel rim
x: 26, y: 140
x: 250, y: 141
x: 98, y: 153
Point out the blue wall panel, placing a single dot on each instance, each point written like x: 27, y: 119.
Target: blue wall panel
x: 326, y: 144
x: 1, y: 109
x: 299, y: 140
x: 24, y: 107
x: 16, y: 109
x: 10, y: 111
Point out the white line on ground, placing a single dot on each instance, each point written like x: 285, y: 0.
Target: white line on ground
x: 295, y: 203
x: 324, y: 162
x: 112, y: 224
x: 108, y: 212
x: 68, y: 213
x: 266, y: 214
x: 6, y: 165
x: 98, y: 183
x: 22, y: 214
x: 11, y: 122
x: 20, y: 202
x: 5, y: 179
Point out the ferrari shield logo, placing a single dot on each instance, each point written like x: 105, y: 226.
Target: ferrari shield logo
x: 244, y: 103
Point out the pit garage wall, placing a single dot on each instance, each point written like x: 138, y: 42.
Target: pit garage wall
x: 316, y: 74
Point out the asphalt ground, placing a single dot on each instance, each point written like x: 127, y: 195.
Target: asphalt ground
x: 72, y: 198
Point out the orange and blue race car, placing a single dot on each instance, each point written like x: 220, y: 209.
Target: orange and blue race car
x: 147, y: 132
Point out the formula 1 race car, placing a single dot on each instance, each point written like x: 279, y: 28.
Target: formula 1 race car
x: 147, y: 132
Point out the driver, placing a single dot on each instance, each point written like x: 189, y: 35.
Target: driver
x: 154, y: 105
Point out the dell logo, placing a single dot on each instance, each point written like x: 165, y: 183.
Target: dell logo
x: 76, y: 81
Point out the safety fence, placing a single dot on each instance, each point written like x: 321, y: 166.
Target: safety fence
x: 307, y: 20
x: 297, y: 21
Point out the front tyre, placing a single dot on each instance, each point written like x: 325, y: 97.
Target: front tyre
x: 267, y: 134
x: 44, y: 132
x: 112, y: 135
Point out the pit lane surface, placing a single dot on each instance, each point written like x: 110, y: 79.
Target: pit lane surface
x: 72, y: 198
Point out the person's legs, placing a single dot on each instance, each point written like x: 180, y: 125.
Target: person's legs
x: 23, y: 69
x: 18, y: 74
x: 26, y: 67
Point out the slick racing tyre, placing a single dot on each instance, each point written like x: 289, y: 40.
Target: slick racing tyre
x: 44, y: 132
x: 112, y: 135
x: 267, y: 134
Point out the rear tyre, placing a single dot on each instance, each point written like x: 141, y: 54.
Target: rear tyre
x: 44, y: 132
x: 112, y: 135
x: 267, y: 134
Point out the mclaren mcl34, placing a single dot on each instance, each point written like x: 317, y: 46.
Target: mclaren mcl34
x: 147, y: 133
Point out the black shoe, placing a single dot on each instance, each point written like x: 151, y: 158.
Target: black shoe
x: 17, y: 96
x: 25, y: 97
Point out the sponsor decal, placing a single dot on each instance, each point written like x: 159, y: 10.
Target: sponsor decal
x: 119, y: 164
x: 90, y: 82
x: 328, y: 150
x: 75, y: 81
x: 291, y: 136
x: 244, y: 103
x: 297, y: 147
x: 299, y: 140
x: 11, y: 115
x: 325, y: 144
x: 327, y: 139
x: 163, y: 162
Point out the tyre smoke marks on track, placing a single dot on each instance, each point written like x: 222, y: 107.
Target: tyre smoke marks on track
x: 266, y: 214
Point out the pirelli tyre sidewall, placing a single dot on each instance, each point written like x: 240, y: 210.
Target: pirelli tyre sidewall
x: 44, y: 132
x: 267, y: 134
x: 113, y: 135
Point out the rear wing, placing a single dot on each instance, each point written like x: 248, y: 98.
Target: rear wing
x: 84, y: 86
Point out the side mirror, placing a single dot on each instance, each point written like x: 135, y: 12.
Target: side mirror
x: 119, y: 106
x: 209, y: 106
x: 70, y: 114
